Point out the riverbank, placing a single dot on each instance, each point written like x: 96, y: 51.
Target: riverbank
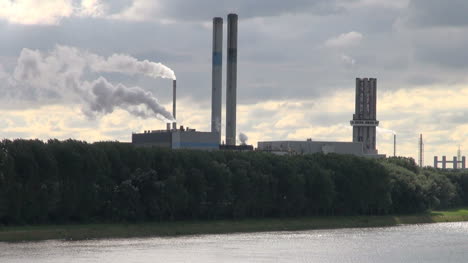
x: 97, y: 231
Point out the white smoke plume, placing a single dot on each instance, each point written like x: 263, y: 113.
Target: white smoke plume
x: 104, y: 97
x: 126, y: 64
x: 57, y: 77
x: 243, y: 138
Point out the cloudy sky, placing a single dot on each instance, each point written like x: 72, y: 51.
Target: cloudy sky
x: 89, y: 69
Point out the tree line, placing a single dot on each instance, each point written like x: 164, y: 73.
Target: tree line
x: 78, y: 182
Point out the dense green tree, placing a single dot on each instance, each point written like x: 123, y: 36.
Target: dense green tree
x: 74, y: 181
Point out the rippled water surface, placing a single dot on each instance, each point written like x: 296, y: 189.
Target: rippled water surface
x: 446, y: 242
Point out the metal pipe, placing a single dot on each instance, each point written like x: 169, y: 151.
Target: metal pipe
x: 231, y: 80
x: 174, y: 98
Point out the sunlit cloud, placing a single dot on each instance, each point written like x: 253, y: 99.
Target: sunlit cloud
x: 48, y: 12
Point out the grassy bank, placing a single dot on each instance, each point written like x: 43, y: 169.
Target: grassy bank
x: 93, y: 231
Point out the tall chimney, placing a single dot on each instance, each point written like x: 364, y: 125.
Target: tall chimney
x: 174, y: 97
x: 394, y: 145
x: 217, y: 76
x: 231, y: 80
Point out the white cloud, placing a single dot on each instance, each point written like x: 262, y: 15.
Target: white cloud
x: 35, y: 11
x: 376, y: 3
x: 47, y: 12
x: 345, y: 40
x: 93, y: 8
x: 140, y: 10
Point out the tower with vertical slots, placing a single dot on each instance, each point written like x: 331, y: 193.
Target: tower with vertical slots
x: 365, y: 117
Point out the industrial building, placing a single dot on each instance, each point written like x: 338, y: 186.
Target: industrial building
x: 364, y: 120
x: 364, y: 130
x: 180, y: 138
x: 457, y: 162
x: 177, y: 139
x: 309, y: 146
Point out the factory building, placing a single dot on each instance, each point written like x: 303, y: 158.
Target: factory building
x: 182, y: 138
x: 190, y: 138
x: 364, y: 130
x: 364, y: 120
x: 177, y: 139
x: 309, y: 147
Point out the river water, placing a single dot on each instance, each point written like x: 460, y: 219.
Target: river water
x: 445, y: 242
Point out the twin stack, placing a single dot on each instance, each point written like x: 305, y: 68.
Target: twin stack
x: 186, y: 138
x: 231, y: 78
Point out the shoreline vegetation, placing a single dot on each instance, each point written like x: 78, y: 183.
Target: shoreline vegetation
x: 182, y: 228
x: 77, y: 190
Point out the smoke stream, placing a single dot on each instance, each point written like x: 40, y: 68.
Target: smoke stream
x: 243, y: 138
x: 57, y: 77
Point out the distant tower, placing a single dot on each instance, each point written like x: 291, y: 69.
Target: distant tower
x: 217, y: 76
x: 421, y: 151
x: 231, y: 80
x: 365, y: 117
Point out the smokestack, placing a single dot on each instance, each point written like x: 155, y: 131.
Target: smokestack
x: 394, y: 145
x: 231, y: 80
x: 174, y: 98
x: 217, y: 76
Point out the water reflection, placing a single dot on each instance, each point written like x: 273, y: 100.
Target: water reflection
x: 446, y: 242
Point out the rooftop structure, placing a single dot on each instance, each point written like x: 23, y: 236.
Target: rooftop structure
x: 309, y: 147
x: 457, y: 163
x: 177, y: 139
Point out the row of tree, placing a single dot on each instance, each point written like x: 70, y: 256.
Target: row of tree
x: 73, y: 181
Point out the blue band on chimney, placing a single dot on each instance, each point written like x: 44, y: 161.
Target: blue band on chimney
x: 217, y: 58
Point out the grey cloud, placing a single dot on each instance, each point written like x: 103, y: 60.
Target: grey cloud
x: 429, y: 13
x: 451, y: 57
x: 116, y: 6
x: 441, y: 46
x: 206, y: 9
x: 279, y: 55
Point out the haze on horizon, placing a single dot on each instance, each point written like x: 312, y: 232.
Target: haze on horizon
x: 297, y: 65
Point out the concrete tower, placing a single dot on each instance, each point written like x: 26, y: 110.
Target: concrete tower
x: 217, y: 76
x: 365, y: 117
x: 231, y: 80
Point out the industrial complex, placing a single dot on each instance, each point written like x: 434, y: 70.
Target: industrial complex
x: 364, y: 124
x: 364, y: 121
x: 181, y: 138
